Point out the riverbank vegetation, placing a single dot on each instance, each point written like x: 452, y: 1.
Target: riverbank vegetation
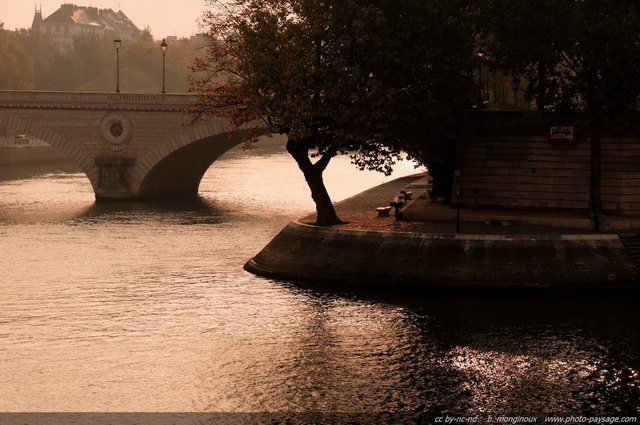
x: 363, y: 79
x: 31, y: 60
x: 376, y: 78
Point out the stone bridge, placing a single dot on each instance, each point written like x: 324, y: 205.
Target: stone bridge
x: 128, y: 145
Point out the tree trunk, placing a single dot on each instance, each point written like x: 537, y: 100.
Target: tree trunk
x: 325, y: 212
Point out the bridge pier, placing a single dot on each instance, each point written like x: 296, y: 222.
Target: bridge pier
x: 114, y: 177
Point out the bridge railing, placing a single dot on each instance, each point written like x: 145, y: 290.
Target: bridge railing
x: 10, y: 98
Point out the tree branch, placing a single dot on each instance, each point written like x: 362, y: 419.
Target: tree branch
x: 323, y: 162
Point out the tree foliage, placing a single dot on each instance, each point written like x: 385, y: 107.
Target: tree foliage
x: 16, y: 66
x: 573, y: 52
x: 577, y: 55
x: 348, y: 77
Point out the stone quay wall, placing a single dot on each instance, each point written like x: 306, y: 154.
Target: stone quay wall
x: 309, y: 253
x: 511, y: 162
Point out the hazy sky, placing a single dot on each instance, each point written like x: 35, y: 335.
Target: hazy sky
x: 164, y: 17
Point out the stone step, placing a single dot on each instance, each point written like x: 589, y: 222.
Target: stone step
x: 632, y: 246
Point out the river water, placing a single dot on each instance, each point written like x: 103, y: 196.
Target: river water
x: 145, y: 307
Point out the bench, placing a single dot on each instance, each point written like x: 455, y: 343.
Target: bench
x: 399, y: 202
x: 499, y: 220
x: 383, y: 211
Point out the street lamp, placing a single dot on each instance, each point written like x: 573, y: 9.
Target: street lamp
x: 117, y: 43
x: 458, y: 174
x: 480, y: 56
x: 163, y: 47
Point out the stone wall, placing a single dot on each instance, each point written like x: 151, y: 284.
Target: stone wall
x: 510, y: 162
x: 328, y: 255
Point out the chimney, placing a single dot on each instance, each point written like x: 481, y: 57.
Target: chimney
x: 92, y: 12
x: 67, y: 8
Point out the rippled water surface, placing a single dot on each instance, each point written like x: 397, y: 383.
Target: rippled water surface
x: 134, y: 306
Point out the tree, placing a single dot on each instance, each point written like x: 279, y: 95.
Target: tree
x: 42, y: 49
x: 33, y: 60
x: 180, y: 57
x: 146, y: 36
x: 579, y: 54
x: 142, y: 64
x: 348, y: 77
x: 16, y: 67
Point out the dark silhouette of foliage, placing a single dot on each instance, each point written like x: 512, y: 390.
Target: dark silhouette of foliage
x: 577, y: 55
x: 348, y: 77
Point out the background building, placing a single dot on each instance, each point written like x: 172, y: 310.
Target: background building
x: 71, y: 21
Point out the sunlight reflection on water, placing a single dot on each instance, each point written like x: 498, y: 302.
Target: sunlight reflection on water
x: 134, y: 306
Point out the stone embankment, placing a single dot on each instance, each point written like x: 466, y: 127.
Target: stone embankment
x: 380, y: 251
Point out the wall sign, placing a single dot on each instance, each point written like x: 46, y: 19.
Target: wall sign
x: 562, y: 133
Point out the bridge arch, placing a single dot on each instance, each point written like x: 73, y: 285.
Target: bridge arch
x: 82, y: 159
x: 176, y: 167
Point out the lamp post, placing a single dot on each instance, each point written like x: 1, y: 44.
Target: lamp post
x: 458, y: 174
x: 480, y: 56
x: 163, y: 47
x: 117, y: 43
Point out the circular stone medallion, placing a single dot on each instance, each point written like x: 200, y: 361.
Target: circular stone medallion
x: 115, y: 129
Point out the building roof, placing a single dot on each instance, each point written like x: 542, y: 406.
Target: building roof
x: 69, y: 13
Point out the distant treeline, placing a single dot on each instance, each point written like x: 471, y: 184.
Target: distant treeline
x: 31, y: 60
